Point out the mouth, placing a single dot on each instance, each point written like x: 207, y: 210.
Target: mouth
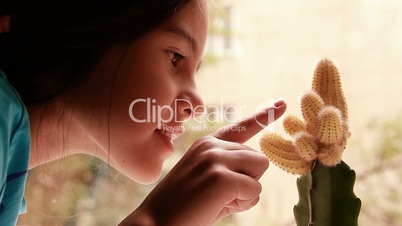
x: 171, y: 132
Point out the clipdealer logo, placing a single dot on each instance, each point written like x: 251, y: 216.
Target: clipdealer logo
x: 160, y: 114
x: 211, y: 115
x: 268, y: 123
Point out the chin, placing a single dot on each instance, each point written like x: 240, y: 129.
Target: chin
x: 149, y: 175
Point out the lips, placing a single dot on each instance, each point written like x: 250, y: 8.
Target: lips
x: 169, y: 133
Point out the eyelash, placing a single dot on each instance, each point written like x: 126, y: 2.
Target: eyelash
x: 175, y: 58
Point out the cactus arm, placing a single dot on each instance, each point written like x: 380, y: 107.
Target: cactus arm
x: 292, y: 125
x: 306, y: 146
x: 311, y: 105
x: 283, y: 153
x: 330, y: 122
x: 327, y: 83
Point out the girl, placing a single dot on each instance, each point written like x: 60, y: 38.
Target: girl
x: 81, y: 76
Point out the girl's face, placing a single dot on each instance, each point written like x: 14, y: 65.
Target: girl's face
x: 152, y: 92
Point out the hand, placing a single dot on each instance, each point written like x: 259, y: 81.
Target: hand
x: 218, y: 176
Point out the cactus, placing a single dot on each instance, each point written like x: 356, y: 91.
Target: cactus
x: 315, y: 152
x: 326, y: 197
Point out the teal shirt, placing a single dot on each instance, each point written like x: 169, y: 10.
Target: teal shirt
x: 14, y: 153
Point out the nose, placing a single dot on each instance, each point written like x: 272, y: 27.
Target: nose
x: 189, y: 105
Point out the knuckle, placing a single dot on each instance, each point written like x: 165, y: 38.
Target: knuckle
x: 253, y: 203
x: 249, y: 204
x: 204, y: 142
x: 264, y: 162
x: 260, y: 160
x: 209, y: 164
x: 209, y: 156
x: 258, y: 188
x: 217, y: 175
x: 209, y: 159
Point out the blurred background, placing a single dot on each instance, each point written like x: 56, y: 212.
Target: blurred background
x: 259, y: 51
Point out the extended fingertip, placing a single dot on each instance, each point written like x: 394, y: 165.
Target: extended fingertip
x: 279, y: 102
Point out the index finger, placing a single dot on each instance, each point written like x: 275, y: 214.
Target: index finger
x: 243, y: 130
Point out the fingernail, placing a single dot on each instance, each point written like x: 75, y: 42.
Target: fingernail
x: 279, y: 102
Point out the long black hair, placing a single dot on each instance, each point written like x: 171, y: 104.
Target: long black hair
x: 54, y: 44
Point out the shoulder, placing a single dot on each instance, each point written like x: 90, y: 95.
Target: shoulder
x: 14, y: 126
x: 14, y: 152
x: 12, y: 110
x: 9, y: 98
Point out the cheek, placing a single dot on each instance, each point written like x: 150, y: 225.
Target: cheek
x: 144, y: 90
x: 139, y: 110
x: 141, y: 163
x: 151, y: 111
x: 152, y: 106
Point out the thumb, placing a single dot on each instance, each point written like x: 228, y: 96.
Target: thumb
x: 243, y: 130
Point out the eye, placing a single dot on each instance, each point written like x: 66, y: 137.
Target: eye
x: 175, y: 58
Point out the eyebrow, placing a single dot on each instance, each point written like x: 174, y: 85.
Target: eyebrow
x: 185, y: 35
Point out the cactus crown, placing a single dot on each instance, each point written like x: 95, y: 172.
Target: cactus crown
x: 323, y: 132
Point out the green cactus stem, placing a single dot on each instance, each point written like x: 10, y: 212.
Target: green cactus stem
x: 326, y: 197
